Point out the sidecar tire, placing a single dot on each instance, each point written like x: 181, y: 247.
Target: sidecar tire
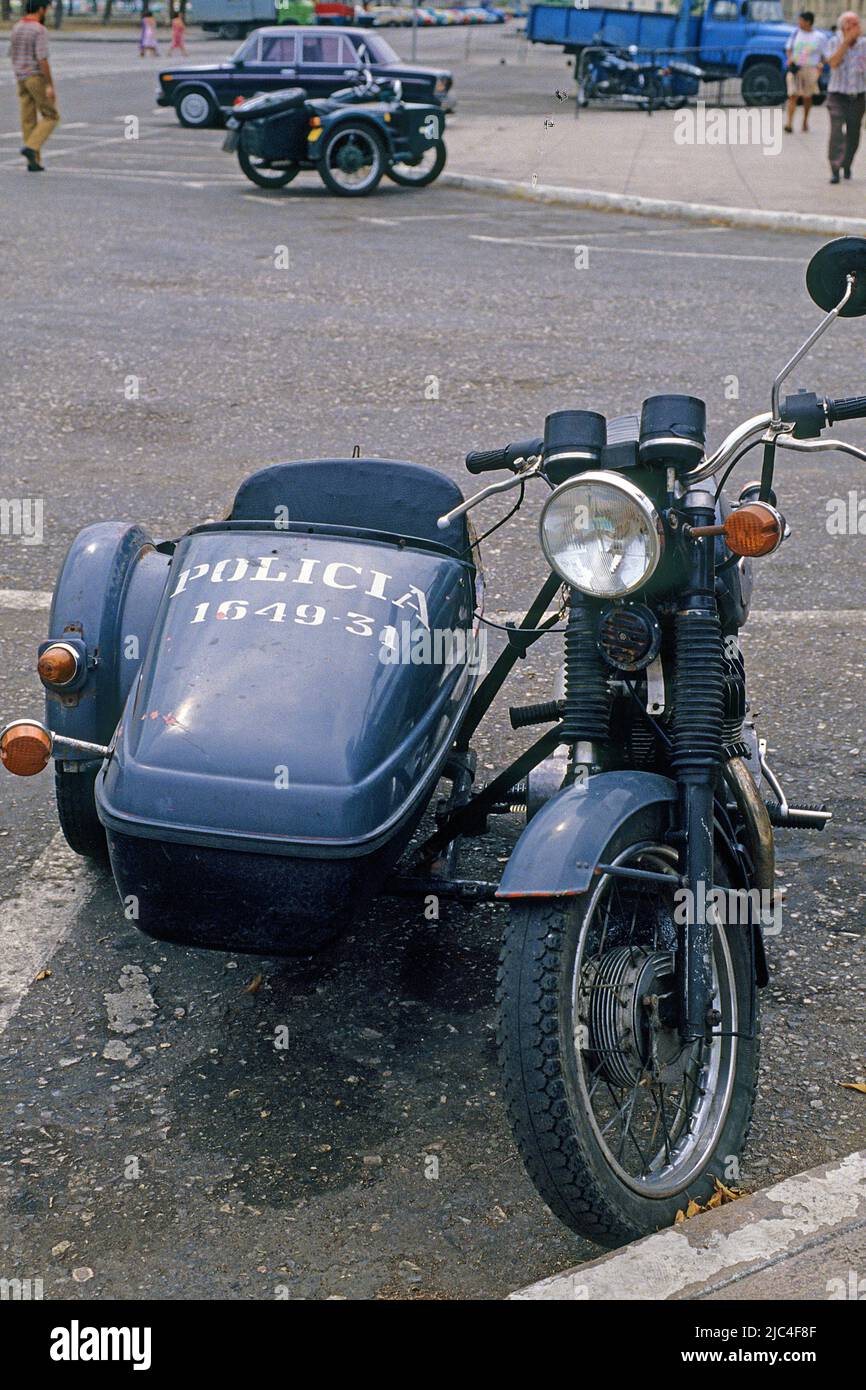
x: 278, y: 178
x: 379, y: 167
x: 424, y: 179
x: 545, y: 1101
x: 76, y: 811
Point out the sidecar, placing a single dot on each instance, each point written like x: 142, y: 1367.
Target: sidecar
x: 351, y: 139
x: 279, y: 690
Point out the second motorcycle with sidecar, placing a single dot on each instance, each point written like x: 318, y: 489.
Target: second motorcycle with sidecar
x: 249, y: 721
x: 351, y: 138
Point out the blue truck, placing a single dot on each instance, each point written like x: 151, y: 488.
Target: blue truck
x: 726, y: 38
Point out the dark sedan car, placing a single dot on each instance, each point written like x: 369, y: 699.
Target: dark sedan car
x: 320, y: 60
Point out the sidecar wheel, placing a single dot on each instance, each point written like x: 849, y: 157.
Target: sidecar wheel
x: 262, y: 174
x: 352, y: 161
x: 613, y: 1152
x: 427, y: 170
x: 76, y: 811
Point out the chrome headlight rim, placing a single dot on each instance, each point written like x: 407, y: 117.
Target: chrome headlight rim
x: 636, y: 495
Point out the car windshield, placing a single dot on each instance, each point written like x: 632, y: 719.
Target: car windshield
x: 766, y: 11
x: 247, y: 50
x: 380, y: 51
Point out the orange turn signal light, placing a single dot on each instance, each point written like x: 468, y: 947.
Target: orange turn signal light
x: 25, y: 747
x: 315, y: 122
x: 754, y: 529
x: 58, y: 664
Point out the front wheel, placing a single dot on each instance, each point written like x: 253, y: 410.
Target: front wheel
x: 196, y: 109
x: 764, y: 85
x: 352, y: 161
x: 618, y: 1124
x: 258, y: 171
x: 426, y: 170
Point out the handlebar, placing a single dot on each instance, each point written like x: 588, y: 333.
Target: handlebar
x: 493, y: 460
x: 850, y: 408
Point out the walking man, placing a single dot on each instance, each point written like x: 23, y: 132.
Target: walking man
x: 846, y: 93
x: 805, y: 59
x: 28, y: 49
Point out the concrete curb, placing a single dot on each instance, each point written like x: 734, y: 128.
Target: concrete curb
x: 802, y: 1238
x: 658, y: 207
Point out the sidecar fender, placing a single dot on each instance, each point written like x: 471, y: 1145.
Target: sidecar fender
x: 106, y: 596
x: 557, y: 853
x: 372, y: 116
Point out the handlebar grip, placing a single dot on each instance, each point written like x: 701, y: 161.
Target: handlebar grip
x: 487, y: 460
x: 852, y: 408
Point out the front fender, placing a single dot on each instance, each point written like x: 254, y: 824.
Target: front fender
x: 559, y: 849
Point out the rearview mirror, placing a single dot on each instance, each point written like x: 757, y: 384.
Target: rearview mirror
x: 827, y: 272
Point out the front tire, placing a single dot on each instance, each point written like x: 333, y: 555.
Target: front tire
x: 263, y: 174
x: 76, y: 811
x: 614, y: 1152
x: 764, y: 85
x: 196, y: 109
x: 352, y: 161
x: 426, y: 171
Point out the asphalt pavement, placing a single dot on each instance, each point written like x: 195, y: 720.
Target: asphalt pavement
x: 155, y: 354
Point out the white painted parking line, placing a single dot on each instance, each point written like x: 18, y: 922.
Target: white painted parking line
x: 633, y: 250
x: 24, y: 599
x: 34, y: 922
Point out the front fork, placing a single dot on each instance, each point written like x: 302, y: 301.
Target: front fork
x: 696, y: 756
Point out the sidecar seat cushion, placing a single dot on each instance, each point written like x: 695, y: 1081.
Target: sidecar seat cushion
x: 404, y: 499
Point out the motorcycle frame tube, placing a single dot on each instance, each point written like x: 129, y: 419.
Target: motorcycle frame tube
x: 504, y: 663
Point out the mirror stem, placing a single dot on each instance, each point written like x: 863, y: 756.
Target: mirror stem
x: 801, y: 352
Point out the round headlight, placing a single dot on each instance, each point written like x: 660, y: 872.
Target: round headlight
x: 601, y: 534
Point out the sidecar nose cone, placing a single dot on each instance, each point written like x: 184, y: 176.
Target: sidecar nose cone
x: 25, y: 747
x: 58, y: 665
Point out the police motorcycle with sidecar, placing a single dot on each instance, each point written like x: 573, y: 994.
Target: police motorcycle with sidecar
x: 351, y: 138
x: 250, y: 721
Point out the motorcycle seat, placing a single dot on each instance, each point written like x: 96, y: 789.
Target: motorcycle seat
x: 403, y: 499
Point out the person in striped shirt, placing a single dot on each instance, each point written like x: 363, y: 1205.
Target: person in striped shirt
x: 28, y: 49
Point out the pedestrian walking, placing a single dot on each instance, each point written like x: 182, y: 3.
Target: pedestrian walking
x: 805, y: 55
x: 178, y: 34
x: 28, y: 49
x: 846, y: 93
x: 147, y: 42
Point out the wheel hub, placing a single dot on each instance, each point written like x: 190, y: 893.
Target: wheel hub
x: 627, y: 1021
x: 351, y: 159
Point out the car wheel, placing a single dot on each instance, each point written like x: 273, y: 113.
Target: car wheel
x: 426, y: 170
x: 352, y: 161
x: 196, y: 108
x: 260, y: 172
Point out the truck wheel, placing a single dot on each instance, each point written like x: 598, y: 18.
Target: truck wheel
x: 427, y: 169
x: 258, y: 171
x: 196, y: 108
x: 763, y: 85
x: 76, y: 811
x: 352, y: 161
x: 231, y: 31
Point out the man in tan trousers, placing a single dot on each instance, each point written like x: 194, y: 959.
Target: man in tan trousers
x: 28, y: 49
